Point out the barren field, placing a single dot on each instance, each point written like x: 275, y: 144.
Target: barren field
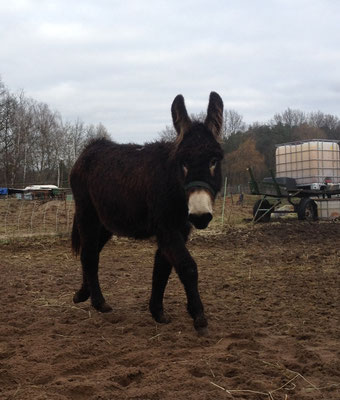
x: 271, y: 294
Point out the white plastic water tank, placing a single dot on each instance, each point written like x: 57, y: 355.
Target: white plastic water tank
x: 309, y: 162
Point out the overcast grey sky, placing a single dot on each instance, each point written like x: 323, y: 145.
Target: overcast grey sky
x: 122, y: 63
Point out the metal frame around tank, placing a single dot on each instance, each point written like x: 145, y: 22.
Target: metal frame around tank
x: 277, y: 192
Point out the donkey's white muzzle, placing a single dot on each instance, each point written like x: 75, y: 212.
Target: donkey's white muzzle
x: 200, y: 208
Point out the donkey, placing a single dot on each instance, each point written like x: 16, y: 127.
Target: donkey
x: 160, y: 189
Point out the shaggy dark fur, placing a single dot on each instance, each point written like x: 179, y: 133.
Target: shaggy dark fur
x: 141, y: 191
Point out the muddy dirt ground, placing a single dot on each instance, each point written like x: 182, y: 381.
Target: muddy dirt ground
x: 271, y: 294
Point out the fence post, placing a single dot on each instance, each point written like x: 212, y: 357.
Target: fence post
x: 56, y: 218
x: 44, y: 217
x: 224, y: 197
x: 70, y: 203
x: 34, y: 204
x: 7, y: 212
x: 20, y: 212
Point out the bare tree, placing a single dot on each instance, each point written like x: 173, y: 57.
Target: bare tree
x: 23, y: 129
x: 290, y: 118
x: 331, y: 122
x: 168, y: 134
x: 308, y: 132
x: 233, y: 123
x: 73, y: 141
x: 323, y: 121
x: 34, y: 141
x: 45, y: 143
x: 8, y: 105
x: 2, y: 88
x: 96, y: 131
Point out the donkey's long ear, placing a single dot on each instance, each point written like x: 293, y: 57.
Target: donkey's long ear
x: 180, y: 116
x: 214, y: 118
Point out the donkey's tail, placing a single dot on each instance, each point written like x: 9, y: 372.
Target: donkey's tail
x: 75, y: 238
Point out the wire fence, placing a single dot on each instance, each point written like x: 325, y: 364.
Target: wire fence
x: 238, y: 189
x: 34, y: 217
x: 24, y: 216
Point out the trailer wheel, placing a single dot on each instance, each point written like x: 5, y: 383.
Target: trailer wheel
x: 307, y: 209
x: 263, y: 215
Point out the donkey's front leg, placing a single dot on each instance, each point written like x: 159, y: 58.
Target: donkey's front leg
x: 186, y: 268
x: 161, y: 272
x: 187, y: 272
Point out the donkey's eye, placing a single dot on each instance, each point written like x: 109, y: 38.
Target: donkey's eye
x: 212, y: 166
x: 213, y: 163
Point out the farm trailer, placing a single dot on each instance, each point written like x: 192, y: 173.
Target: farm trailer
x: 304, y: 201
x: 307, y: 174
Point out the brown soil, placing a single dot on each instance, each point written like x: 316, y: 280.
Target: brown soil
x: 271, y: 294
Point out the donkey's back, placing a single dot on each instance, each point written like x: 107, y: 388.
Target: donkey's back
x: 127, y: 186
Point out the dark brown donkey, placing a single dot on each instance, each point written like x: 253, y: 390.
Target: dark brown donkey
x: 160, y: 189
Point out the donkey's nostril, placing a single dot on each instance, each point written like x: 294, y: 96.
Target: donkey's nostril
x: 200, y: 221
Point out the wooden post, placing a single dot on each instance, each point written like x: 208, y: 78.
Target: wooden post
x: 224, y: 197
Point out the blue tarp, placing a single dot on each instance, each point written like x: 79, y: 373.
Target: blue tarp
x: 3, y: 190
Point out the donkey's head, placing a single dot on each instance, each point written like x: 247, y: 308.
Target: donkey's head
x: 199, y: 155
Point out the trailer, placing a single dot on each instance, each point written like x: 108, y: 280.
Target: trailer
x: 307, y: 176
x: 303, y: 201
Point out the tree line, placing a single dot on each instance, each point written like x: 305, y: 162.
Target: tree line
x: 254, y: 145
x: 38, y: 147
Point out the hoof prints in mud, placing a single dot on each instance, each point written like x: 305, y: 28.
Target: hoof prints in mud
x: 129, y: 378
x: 272, y: 310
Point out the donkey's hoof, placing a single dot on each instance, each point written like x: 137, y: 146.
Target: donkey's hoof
x: 103, y: 307
x: 201, y: 324
x: 162, y: 319
x: 202, y: 331
x: 80, y: 296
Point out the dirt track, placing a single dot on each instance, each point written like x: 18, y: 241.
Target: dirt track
x: 271, y: 294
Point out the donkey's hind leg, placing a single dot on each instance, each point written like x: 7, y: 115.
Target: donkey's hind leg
x: 161, y: 273
x: 84, y: 292
x: 90, y: 259
x: 91, y: 243
x: 104, y: 237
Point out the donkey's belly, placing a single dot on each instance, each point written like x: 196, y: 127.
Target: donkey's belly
x: 134, y: 224
x: 130, y: 231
